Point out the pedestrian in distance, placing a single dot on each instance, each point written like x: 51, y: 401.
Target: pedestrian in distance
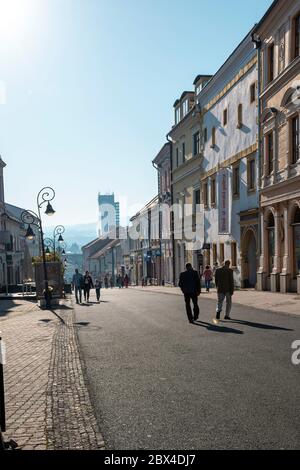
x: 106, y: 282
x: 98, y: 286
x: 87, y: 285
x: 78, y: 285
x: 215, y: 267
x: 190, y: 285
x: 225, y: 288
x: 111, y: 282
x: 208, y: 277
x: 126, y: 281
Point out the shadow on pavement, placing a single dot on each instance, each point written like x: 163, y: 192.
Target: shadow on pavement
x: 260, y: 325
x: 217, y: 328
x: 82, y: 323
x: 61, y: 307
x: 45, y: 320
x: 59, y: 317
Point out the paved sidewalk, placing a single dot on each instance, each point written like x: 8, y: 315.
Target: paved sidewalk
x: 47, y: 401
x: 270, y: 301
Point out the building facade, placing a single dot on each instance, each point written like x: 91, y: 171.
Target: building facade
x: 162, y: 163
x: 228, y: 107
x: 278, y: 40
x: 16, y: 252
x: 186, y: 170
x: 145, y: 244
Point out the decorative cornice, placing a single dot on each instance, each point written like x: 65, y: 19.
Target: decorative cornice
x: 230, y: 161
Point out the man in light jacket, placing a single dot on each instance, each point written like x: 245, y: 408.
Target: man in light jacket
x: 225, y: 288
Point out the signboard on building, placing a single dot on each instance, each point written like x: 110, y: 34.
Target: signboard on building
x: 223, y: 202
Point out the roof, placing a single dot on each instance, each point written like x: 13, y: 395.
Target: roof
x: 14, y: 212
x: 103, y: 250
x: 200, y: 76
x: 183, y: 120
x: 273, y: 5
x: 163, y: 152
x: 145, y: 208
x: 96, y: 240
x: 183, y: 94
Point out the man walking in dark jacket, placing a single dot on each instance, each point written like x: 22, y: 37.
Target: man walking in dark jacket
x: 225, y: 288
x: 189, y: 283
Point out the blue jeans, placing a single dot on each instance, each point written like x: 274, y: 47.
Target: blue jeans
x: 78, y: 290
x: 221, y: 298
x: 207, y: 284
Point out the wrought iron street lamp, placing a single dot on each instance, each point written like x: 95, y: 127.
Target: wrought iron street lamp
x: 51, y: 242
x: 45, y: 196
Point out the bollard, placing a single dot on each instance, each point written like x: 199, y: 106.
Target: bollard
x: 2, y: 403
x: 10, y: 444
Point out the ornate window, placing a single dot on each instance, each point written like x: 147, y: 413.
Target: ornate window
x: 213, y: 191
x: 295, y: 139
x: 271, y: 63
x: 296, y: 237
x: 296, y: 35
x: 271, y: 241
x: 270, y: 152
x: 213, y: 137
x: 240, y: 116
x: 236, y: 181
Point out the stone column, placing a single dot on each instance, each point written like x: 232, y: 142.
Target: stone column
x: 277, y: 262
x: 286, y: 271
x: 261, y: 274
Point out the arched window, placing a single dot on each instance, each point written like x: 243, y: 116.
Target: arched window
x: 240, y: 116
x: 296, y: 244
x: 213, y: 137
x: 271, y: 241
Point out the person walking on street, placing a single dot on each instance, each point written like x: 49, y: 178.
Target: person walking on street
x: 87, y: 285
x: 126, y: 281
x: 78, y: 285
x: 215, y: 267
x: 111, y: 281
x: 225, y: 288
x: 190, y: 285
x: 98, y: 285
x: 208, y: 276
x: 106, y: 282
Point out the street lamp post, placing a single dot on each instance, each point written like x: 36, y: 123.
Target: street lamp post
x: 57, y: 232
x: 45, y: 195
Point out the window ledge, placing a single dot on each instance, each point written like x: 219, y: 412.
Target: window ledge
x: 251, y: 190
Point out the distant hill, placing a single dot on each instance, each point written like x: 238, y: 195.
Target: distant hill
x: 79, y: 234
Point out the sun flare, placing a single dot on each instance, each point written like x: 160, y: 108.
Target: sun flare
x: 15, y: 18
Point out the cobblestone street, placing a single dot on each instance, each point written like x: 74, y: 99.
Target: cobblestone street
x: 47, y: 402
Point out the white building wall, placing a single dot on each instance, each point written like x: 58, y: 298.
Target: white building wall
x: 229, y: 142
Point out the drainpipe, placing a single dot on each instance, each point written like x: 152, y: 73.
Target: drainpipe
x: 257, y: 41
x: 172, y: 202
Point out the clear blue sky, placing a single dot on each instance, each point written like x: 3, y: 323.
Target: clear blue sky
x: 90, y: 86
